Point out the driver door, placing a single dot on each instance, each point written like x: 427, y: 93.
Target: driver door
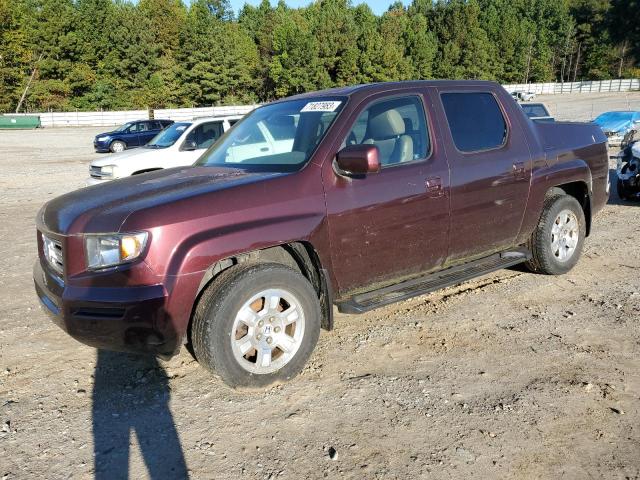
x: 132, y: 136
x: 392, y: 224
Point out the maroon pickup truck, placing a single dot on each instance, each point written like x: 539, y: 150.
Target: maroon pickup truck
x: 356, y: 197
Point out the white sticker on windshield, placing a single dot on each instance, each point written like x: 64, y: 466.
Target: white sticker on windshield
x: 321, y: 106
x: 181, y: 128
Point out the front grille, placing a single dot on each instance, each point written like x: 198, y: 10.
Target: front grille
x: 95, y: 172
x: 53, y: 253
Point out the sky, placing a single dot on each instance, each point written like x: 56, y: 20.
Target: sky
x: 378, y: 6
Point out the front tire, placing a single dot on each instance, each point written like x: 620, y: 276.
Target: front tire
x: 256, y: 324
x: 117, y: 146
x: 557, y: 241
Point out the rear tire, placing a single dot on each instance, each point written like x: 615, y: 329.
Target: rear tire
x: 557, y: 241
x: 117, y: 146
x: 622, y: 191
x: 256, y: 324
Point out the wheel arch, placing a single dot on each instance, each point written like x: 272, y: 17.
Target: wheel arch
x: 571, y: 177
x: 580, y: 191
x: 299, y: 255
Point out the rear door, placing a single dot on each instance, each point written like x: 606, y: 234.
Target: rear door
x: 147, y: 130
x: 490, y: 172
x: 392, y: 224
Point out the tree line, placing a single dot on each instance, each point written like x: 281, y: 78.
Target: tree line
x: 115, y: 54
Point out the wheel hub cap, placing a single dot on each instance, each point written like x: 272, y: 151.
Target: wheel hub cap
x: 267, y: 331
x: 565, y: 233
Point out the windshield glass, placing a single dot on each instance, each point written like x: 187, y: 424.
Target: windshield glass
x: 168, y: 136
x: 278, y: 137
x: 123, y: 127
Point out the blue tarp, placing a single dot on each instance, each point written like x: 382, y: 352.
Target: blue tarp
x: 618, y: 122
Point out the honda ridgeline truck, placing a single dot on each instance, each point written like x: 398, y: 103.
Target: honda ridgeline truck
x: 386, y: 191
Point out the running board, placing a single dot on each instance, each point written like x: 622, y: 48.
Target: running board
x: 431, y: 282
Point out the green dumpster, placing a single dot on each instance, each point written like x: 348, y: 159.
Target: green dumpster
x: 19, y: 121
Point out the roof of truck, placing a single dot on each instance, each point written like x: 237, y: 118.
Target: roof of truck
x: 385, y: 86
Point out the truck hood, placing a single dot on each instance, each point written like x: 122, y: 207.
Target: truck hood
x: 133, y: 154
x: 104, y: 208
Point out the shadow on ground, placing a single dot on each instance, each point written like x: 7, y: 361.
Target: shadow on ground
x: 131, y: 397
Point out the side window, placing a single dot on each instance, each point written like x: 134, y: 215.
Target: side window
x: 206, y: 134
x: 134, y: 128
x: 144, y: 126
x: 155, y: 125
x: 475, y: 120
x: 396, y: 126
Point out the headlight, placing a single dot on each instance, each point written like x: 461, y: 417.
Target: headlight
x: 112, y: 249
x: 103, y: 139
x: 109, y: 171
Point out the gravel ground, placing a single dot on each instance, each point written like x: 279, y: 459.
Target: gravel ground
x: 585, y: 107
x: 513, y: 375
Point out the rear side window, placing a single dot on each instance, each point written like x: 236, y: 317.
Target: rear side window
x: 475, y: 120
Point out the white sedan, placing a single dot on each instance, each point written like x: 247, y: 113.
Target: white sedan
x: 177, y: 145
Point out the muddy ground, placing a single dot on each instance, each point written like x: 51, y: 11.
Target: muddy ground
x: 513, y: 375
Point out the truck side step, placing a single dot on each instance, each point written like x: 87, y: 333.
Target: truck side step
x: 431, y: 282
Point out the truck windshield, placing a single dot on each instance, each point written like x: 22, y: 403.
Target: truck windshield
x: 279, y: 137
x: 168, y: 136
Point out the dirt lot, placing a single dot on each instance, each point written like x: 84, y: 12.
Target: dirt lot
x: 513, y: 375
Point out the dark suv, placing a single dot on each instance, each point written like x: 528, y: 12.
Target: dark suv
x: 130, y: 135
x: 369, y: 195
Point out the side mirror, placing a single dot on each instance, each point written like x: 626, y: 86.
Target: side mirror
x: 189, y: 145
x: 358, y: 159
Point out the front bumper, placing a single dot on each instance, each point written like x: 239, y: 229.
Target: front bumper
x: 128, y: 319
x: 101, y: 147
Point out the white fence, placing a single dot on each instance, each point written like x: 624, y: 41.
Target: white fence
x: 600, y: 86
x: 102, y: 118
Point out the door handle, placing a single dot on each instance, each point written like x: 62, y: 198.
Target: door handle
x: 264, y: 149
x: 519, y: 171
x: 434, y: 187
